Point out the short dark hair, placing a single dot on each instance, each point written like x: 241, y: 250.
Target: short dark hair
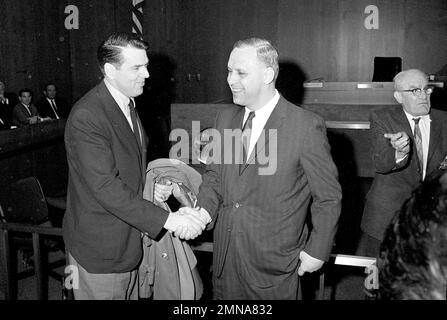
x: 110, y: 50
x: 413, y: 256
x: 49, y: 84
x: 25, y: 90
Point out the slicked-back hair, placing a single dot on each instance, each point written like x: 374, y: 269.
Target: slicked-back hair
x: 266, y: 52
x: 110, y: 50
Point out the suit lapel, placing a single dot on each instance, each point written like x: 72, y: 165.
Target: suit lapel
x: 274, y: 122
x: 435, y: 138
x: 402, y: 122
x: 403, y: 125
x: 118, y: 119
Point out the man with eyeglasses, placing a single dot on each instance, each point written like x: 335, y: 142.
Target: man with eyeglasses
x: 408, y: 145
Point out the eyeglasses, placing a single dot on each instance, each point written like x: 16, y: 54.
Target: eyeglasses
x: 418, y: 91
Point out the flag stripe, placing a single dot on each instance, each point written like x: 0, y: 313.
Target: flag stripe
x: 137, y: 17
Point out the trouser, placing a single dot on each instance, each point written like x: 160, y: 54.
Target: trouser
x: 103, y: 286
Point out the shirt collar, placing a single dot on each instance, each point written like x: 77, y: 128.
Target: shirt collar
x: 424, y: 118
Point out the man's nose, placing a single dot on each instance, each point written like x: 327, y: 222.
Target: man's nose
x: 231, y: 79
x: 145, y: 73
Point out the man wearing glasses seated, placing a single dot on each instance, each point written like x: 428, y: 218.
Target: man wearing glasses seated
x: 408, y: 144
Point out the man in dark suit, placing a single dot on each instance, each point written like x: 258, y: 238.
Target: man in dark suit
x: 408, y: 145
x: 24, y: 112
x: 261, y: 241
x: 52, y: 106
x: 7, y: 101
x: 106, y: 153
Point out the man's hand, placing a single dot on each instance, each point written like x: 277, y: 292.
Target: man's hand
x: 308, y: 263
x: 33, y: 119
x: 162, y: 191
x: 400, y: 142
x: 186, y: 223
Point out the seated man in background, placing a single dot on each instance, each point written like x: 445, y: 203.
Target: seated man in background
x: 408, y: 145
x: 7, y: 101
x: 51, y: 105
x: 413, y: 256
x: 25, y: 113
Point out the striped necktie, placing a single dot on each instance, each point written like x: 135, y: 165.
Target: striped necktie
x: 418, y: 142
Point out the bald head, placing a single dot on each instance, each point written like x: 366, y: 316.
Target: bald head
x: 406, y: 77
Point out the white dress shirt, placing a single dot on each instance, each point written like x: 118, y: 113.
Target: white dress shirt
x: 260, y: 119
x: 123, y: 103
x: 424, y: 126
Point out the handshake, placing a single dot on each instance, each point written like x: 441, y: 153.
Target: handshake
x: 186, y: 223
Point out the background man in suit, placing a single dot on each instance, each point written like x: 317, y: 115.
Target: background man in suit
x: 106, y: 153
x: 408, y: 145
x: 52, y: 106
x: 24, y: 112
x: 7, y: 101
x: 261, y: 240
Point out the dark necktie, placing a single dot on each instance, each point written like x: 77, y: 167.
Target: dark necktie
x: 246, y: 135
x: 53, y: 105
x: 29, y: 111
x: 133, y: 118
x: 418, y: 142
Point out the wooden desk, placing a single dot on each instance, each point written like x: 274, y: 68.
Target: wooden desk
x: 36, y: 150
x: 354, y: 93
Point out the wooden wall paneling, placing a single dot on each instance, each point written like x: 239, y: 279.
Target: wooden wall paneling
x: 123, y: 15
x: 33, y: 48
x: 53, y: 50
x: 328, y: 38
x: 206, y: 65
x: 96, y: 23
x: 22, y: 25
x: 164, y: 26
x: 425, y: 35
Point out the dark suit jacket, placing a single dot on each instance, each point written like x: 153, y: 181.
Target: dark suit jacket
x: 393, y: 183
x: 6, y: 109
x: 6, y: 120
x: 106, y: 211
x: 20, y: 115
x: 45, y: 110
x: 265, y: 214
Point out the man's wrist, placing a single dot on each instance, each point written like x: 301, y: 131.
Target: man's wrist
x: 205, y: 214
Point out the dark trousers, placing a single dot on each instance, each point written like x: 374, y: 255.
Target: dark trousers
x: 233, y: 285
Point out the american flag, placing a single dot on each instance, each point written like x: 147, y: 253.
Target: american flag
x: 137, y: 17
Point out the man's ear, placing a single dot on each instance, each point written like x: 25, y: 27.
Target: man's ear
x: 109, y: 70
x: 398, y: 96
x: 269, y: 75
